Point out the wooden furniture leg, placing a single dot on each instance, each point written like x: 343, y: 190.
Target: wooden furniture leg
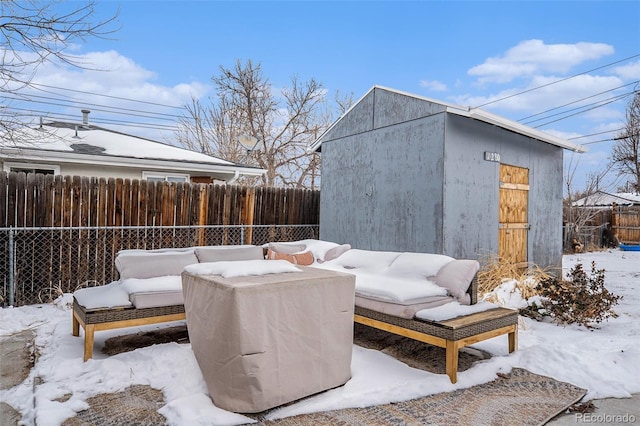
x: 75, y: 325
x: 513, y: 340
x: 452, y: 360
x: 89, y: 331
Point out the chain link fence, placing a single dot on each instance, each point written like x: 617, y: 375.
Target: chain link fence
x: 39, y: 264
x: 587, y: 238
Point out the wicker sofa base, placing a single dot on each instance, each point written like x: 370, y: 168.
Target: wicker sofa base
x: 108, y: 319
x: 451, y: 334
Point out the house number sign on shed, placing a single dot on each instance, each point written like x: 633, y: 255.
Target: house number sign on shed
x: 492, y: 156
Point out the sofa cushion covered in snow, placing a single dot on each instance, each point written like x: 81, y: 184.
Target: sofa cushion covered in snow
x: 152, y: 278
x: 401, y: 310
x: 155, y: 264
x: 152, y: 292
x: 402, y: 284
x: 225, y: 253
x: 106, y: 296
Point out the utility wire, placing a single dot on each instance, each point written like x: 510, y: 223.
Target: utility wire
x: 583, y: 111
x: 557, y: 81
x: 611, y: 139
x: 596, y: 134
x: 28, y: 98
x: 585, y: 107
x: 142, y: 115
x: 576, y: 101
x: 106, y: 96
x: 61, y: 116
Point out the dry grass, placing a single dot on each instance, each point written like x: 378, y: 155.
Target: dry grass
x: 497, y: 270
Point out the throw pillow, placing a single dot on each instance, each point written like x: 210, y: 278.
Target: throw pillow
x: 336, y: 252
x: 303, y: 259
x: 422, y: 264
x: 287, y: 248
x: 456, y: 276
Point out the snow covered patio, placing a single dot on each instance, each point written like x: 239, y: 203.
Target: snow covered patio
x: 605, y: 361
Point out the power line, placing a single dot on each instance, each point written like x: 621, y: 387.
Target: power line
x: 28, y: 98
x: 584, y: 110
x: 557, y: 81
x: 574, y: 102
x: 596, y: 134
x: 106, y: 96
x: 61, y: 116
x: 611, y: 139
x: 141, y: 114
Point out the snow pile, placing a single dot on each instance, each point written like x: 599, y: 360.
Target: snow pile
x: 604, y: 360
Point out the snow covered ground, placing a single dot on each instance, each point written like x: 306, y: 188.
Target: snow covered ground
x: 604, y: 360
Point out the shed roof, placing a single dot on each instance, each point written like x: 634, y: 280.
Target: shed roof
x: 474, y: 113
x: 601, y: 198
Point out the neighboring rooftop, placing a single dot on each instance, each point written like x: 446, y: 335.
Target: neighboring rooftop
x: 84, y: 143
x: 91, y: 139
x: 602, y: 199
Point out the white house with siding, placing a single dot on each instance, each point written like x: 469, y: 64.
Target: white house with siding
x: 83, y: 149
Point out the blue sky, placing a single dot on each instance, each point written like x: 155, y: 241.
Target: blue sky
x: 463, y: 52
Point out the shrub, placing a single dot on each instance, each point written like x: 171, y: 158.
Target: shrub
x: 497, y: 270
x: 582, y: 298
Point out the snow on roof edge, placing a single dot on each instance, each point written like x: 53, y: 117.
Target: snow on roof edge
x: 474, y: 113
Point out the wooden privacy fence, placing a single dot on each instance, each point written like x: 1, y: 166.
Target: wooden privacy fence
x: 58, y: 232
x: 626, y: 224
x: 624, y: 221
x: 37, y: 200
x: 38, y: 264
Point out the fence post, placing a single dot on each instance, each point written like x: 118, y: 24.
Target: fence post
x: 11, y: 269
x: 248, y: 214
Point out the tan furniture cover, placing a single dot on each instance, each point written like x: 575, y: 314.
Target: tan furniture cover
x: 262, y: 341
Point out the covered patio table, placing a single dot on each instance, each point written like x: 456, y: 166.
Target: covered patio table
x: 265, y: 340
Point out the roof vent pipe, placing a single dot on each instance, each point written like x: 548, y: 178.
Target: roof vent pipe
x: 85, y: 116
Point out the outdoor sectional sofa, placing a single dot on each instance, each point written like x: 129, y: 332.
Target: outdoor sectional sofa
x: 148, y: 291
x: 427, y: 297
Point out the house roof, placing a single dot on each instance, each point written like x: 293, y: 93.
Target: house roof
x: 474, y: 113
x: 600, y: 198
x: 65, y: 142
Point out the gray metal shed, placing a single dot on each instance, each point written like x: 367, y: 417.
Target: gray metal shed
x: 406, y: 173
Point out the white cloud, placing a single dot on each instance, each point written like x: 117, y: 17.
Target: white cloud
x: 109, y: 73
x: 433, y: 85
x: 563, y: 134
x: 629, y: 71
x: 530, y: 57
x: 594, y: 160
x: 109, y: 84
x: 547, y: 97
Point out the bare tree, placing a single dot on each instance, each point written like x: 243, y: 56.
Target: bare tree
x: 579, y: 218
x: 284, y: 125
x: 625, y: 155
x: 33, y: 32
